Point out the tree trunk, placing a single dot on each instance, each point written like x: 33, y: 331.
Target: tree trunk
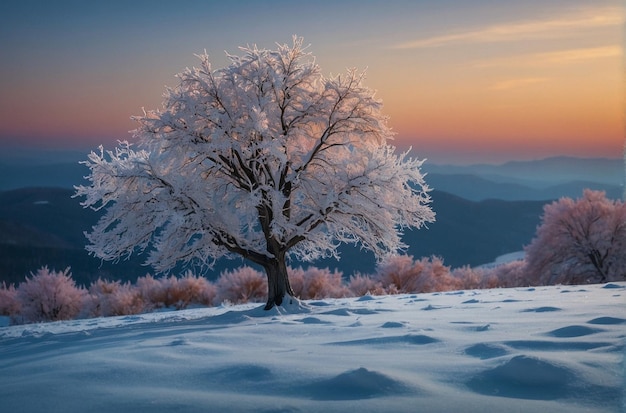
x: 598, y: 262
x: 277, y: 282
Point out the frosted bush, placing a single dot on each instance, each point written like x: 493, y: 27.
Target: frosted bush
x: 49, y: 296
x: 189, y: 290
x: 296, y: 279
x: 401, y: 274
x: 241, y: 286
x: 360, y: 285
x: 178, y: 293
x: 436, y: 276
x: 112, y: 298
x: 469, y: 278
x: 316, y: 283
x: 512, y: 274
x: 9, y: 304
x: 398, y: 273
x: 153, y: 291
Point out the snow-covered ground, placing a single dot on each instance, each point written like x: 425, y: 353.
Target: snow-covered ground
x: 544, y: 349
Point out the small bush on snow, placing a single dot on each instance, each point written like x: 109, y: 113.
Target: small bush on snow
x: 512, y: 274
x: 153, y: 291
x: 9, y: 304
x: 112, y: 298
x: 360, y: 285
x: 400, y: 274
x: 242, y: 285
x: 189, y: 290
x: 49, y: 296
x: 439, y: 276
x: 469, y: 278
x: 316, y: 283
x: 178, y: 293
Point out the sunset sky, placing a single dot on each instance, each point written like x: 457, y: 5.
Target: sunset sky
x: 463, y: 81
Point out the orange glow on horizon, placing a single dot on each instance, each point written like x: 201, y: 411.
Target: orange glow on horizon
x: 571, y: 105
x: 457, y: 82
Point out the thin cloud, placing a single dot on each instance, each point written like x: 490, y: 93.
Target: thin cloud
x: 517, y: 83
x: 561, y: 27
x: 553, y: 58
x: 580, y: 54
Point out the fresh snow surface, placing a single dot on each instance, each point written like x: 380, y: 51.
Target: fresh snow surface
x: 544, y: 349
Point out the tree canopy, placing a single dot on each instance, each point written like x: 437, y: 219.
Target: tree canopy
x: 265, y: 158
x: 580, y: 241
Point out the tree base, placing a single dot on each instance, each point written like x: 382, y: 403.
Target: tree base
x: 279, y: 301
x: 289, y: 305
x: 278, y: 286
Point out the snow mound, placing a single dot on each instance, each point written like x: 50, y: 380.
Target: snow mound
x: 524, y: 377
x: 356, y: 384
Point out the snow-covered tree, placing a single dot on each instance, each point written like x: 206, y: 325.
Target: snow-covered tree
x: 579, y: 241
x: 266, y: 159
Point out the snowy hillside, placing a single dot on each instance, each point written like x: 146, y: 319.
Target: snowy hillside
x: 544, y: 349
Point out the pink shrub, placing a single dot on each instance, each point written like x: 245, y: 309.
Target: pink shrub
x: 437, y: 276
x: 49, y: 296
x: 242, y: 285
x: 401, y: 274
x: 153, y: 291
x: 112, y: 298
x: 296, y: 280
x: 469, y: 278
x: 512, y: 274
x: 189, y: 290
x: 9, y: 304
x: 360, y: 285
x: 315, y: 283
x: 171, y: 293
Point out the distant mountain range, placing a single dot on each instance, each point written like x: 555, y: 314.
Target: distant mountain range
x: 477, y: 188
x: 544, y: 172
x: 44, y: 226
x: 483, y: 211
x: 545, y: 179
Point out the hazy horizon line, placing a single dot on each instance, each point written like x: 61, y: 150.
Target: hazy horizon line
x: 17, y: 153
